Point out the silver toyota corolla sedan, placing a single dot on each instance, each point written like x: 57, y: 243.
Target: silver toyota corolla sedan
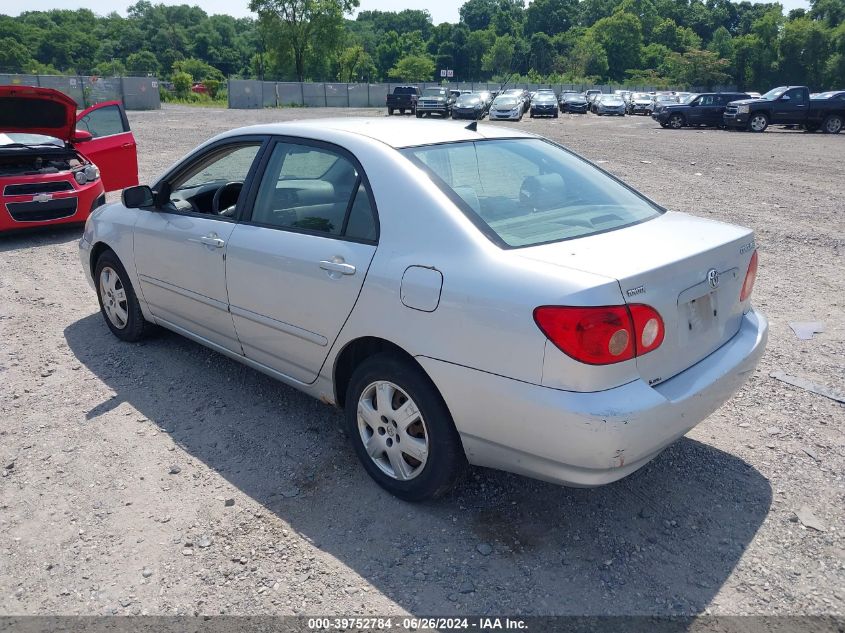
x: 465, y: 294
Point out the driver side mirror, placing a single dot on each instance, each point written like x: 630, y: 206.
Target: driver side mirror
x: 80, y: 136
x: 137, y: 197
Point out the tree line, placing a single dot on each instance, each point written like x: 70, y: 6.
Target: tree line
x: 654, y: 42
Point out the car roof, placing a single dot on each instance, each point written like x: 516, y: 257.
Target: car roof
x: 396, y: 133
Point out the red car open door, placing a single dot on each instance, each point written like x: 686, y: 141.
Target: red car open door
x: 112, y: 146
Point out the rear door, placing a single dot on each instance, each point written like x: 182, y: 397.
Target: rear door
x: 710, y: 110
x: 296, y: 262
x: 112, y: 147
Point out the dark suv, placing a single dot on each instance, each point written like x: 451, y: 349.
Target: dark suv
x: 403, y: 98
x: 705, y: 109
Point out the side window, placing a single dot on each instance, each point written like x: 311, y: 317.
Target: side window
x: 193, y: 190
x: 105, y: 121
x: 707, y: 100
x: 361, y: 224
x: 796, y: 94
x: 313, y: 189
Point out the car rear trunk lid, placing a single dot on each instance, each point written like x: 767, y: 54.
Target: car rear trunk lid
x: 668, y: 263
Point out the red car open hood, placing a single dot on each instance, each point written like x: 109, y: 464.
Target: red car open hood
x: 33, y: 110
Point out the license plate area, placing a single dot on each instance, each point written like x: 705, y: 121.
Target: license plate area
x: 701, y: 314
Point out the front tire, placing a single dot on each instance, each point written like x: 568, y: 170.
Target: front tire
x: 832, y: 124
x: 419, y: 115
x: 676, y: 121
x: 758, y: 122
x: 118, y: 303
x: 401, y: 429
x: 390, y: 112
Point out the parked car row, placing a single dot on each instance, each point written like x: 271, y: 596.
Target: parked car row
x: 785, y: 105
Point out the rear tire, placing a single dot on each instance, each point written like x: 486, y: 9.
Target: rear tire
x: 832, y: 124
x: 118, y: 303
x: 758, y: 122
x: 384, y: 394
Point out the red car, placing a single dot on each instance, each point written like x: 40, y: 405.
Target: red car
x: 56, y: 166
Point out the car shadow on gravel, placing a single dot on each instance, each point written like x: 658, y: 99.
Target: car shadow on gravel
x: 36, y: 238
x: 662, y: 541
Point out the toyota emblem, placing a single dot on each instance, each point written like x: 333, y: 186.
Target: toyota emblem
x: 713, y: 278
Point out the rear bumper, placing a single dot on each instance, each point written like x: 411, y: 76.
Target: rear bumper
x: 590, y: 439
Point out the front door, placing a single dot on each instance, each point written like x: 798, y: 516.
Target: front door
x: 112, y: 148
x: 180, y: 248
x: 296, y: 263
x: 791, y: 107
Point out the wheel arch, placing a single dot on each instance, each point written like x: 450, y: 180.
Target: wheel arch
x: 96, y: 251
x: 356, y: 352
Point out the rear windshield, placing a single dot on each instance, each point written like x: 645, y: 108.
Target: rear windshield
x: 524, y: 192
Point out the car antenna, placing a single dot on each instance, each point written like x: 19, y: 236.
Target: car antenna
x: 472, y: 127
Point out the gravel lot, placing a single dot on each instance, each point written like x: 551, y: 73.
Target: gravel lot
x: 163, y: 478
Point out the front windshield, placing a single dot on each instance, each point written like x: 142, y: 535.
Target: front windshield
x: 774, y: 93
x: 524, y: 192
x: 505, y: 102
x: 575, y: 98
x: 688, y: 98
x: 612, y: 100
x: 22, y: 138
x: 434, y: 92
x: 545, y: 98
x: 468, y: 100
x: 642, y: 97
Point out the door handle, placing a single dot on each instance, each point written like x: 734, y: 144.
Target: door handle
x: 338, y: 267
x: 209, y: 240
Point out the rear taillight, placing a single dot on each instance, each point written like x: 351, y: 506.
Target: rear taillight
x: 601, y: 335
x: 649, y: 327
x: 750, y: 278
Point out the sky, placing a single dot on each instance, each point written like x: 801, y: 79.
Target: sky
x: 441, y: 10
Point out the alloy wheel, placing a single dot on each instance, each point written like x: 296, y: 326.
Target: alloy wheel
x: 392, y: 430
x: 113, y: 296
x: 833, y: 125
x: 759, y: 123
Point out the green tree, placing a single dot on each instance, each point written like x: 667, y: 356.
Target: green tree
x: 303, y: 21
x: 589, y: 58
x: 803, y: 52
x: 621, y: 37
x: 14, y: 56
x: 722, y: 43
x: 182, y: 82
x: 499, y: 59
x: 413, y: 68
x: 550, y: 16
x: 142, y: 62
x: 698, y: 68
x: 355, y: 64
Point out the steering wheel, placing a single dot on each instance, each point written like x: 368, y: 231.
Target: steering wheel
x: 234, y: 187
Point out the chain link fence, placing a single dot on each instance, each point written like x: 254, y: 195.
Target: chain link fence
x: 252, y: 93
x: 136, y: 93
